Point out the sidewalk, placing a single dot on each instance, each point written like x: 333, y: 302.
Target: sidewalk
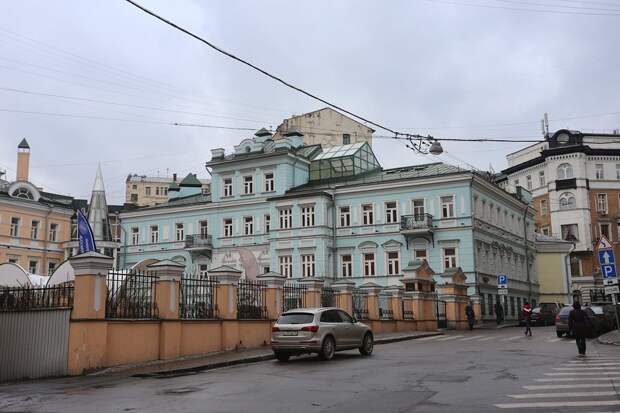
x: 492, y: 325
x: 611, y: 338
x: 188, y: 365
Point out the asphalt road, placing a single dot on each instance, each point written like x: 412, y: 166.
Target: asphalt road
x: 479, y: 371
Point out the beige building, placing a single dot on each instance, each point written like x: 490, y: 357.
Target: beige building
x: 142, y: 190
x: 33, y: 223
x: 553, y: 267
x: 327, y: 127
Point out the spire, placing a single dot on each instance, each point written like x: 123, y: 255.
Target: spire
x: 98, y: 185
x: 98, y: 210
x: 23, y: 144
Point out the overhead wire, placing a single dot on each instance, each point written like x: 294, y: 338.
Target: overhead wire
x: 529, y: 10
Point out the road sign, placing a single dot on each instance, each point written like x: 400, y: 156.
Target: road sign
x: 610, y: 281
x: 502, y: 281
x: 502, y: 291
x: 612, y: 290
x: 606, y: 258
x: 604, y: 244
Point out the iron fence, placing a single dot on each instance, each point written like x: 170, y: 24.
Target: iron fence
x: 131, y: 295
x: 293, y: 296
x: 407, y: 315
x: 35, y: 298
x: 328, y: 298
x: 385, y: 313
x: 251, y: 299
x: 198, y: 298
x: 360, y: 307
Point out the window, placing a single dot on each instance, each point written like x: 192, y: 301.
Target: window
x: 204, y: 229
x: 286, y: 265
x: 393, y: 263
x: 419, y: 253
x: 346, y: 266
x: 154, y: 234
x: 543, y: 207
x: 541, y: 178
x: 528, y: 182
x: 157, y: 190
x: 601, y: 203
x: 135, y: 236
x: 180, y: 236
x: 418, y: 209
x: 228, y: 227
x: 605, y: 230
x: 147, y: 191
x: 307, y: 265
x: 203, y: 270
x: 51, y: 266
x: 267, y: 224
x: 34, y: 230
x: 345, y: 216
x: 228, y: 187
x: 367, y: 214
x: 248, y: 185
x: 307, y: 216
x: 570, y: 232
x: 447, y: 206
x: 545, y: 230
x: 575, y: 267
x: 599, y: 174
x: 248, y: 225
x: 33, y: 266
x: 134, y: 187
x: 346, y: 139
x: 516, y: 182
x: 269, y: 183
x: 567, y: 201
x: 449, y: 258
x: 134, y: 198
x: 14, y: 227
x: 13, y: 259
x: 369, y: 264
x: 266, y: 269
x: 565, y: 171
x: 391, y: 213
x: 286, y: 218
x: 53, y: 232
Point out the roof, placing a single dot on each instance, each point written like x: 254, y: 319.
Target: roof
x: 23, y: 144
x: 344, y: 160
x: 333, y: 110
x: 178, y: 201
x: 191, y: 180
x: 262, y: 132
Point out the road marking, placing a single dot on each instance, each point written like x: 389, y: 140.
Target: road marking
x: 581, y: 368
x: 596, y: 364
x: 559, y: 404
x: 428, y: 338
x: 449, y: 338
x: 512, y: 338
x: 470, y: 338
x: 568, y: 386
x: 487, y: 338
x: 577, y: 373
x: 553, y: 340
x: 578, y: 379
x: 571, y: 394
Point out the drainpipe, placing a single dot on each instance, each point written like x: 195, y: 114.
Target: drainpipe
x: 472, y: 211
x: 334, y: 250
x: 527, y: 264
x: 569, y: 275
x: 45, y: 240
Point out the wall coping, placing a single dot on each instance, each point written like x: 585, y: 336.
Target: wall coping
x: 167, y: 270
x: 344, y: 286
x: 91, y: 263
x: 273, y: 279
x: 312, y: 283
x: 371, y: 288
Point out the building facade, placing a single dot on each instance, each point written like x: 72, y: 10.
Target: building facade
x: 326, y: 127
x: 142, y: 190
x: 305, y: 211
x: 574, y: 178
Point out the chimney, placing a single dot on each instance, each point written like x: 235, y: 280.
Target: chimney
x: 23, y: 160
x: 174, y: 177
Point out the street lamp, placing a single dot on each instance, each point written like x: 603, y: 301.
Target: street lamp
x: 435, y: 148
x: 424, y: 144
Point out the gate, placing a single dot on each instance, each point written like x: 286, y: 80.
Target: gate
x: 442, y: 321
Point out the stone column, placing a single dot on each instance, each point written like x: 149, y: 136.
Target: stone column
x: 454, y: 292
x: 477, y: 304
x: 418, y: 282
x: 372, y: 299
x: 344, y: 295
x: 313, y: 291
x: 228, y: 280
x: 274, y: 294
x: 395, y: 294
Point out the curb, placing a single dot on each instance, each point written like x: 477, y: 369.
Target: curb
x: 602, y: 340
x: 255, y: 359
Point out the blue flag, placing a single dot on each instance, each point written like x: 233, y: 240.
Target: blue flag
x: 85, y: 234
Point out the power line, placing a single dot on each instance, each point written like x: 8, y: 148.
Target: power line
x: 560, y: 6
x: 530, y: 10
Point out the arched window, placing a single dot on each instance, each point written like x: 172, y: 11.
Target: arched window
x: 565, y: 171
x: 22, y: 193
x: 567, y: 201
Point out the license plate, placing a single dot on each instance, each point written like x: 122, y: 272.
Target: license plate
x: 289, y: 333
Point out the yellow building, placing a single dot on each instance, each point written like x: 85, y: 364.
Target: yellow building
x: 142, y: 190
x: 553, y: 269
x: 33, y: 223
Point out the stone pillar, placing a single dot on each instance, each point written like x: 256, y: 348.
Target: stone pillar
x: 344, y: 295
x: 419, y: 291
x: 453, y: 291
x: 372, y: 299
x: 477, y: 304
x: 90, y: 291
x: 274, y: 294
x: 228, y: 280
x: 313, y: 291
x: 395, y: 294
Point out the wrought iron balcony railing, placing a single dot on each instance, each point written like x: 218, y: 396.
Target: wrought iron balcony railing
x: 416, y: 222
x: 199, y: 241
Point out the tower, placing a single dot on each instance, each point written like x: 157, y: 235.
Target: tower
x: 98, y: 210
x: 23, y: 160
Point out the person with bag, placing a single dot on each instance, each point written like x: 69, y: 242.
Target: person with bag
x: 499, y: 312
x: 471, y: 316
x: 581, y: 326
x: 527, y: 317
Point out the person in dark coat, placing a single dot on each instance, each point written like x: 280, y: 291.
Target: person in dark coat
x: 526, y: 311
x: 471, y: 316
x: 581, y: 326
x: 499, y: 312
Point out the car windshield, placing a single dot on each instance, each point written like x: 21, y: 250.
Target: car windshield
x: 296, y: 318
x: 566, y: 310
x: 536, y: 310
x: 597, y: 310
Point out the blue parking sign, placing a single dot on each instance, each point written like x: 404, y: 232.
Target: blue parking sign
x: 607, y: 260
x: 502, y: 279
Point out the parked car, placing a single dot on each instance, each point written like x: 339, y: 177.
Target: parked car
x: 539, y: 317
x: 549, y: 311
x: 601, y: 317
x: 561, y: 322
x: 319, y: 330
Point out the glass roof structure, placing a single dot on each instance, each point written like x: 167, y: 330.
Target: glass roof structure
x: 345, y: 160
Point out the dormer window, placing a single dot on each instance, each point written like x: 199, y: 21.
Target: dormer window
x: 23, y: 190
x: 22, y: 193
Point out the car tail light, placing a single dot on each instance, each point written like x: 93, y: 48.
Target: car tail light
x: 274, y: 328
x: 312, y: 329
x: 557, y: 317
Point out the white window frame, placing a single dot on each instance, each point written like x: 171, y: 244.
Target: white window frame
x: 452, y: 258
x: 269, y: 182
x: 418, y: 211
x: 307, y: 216
x: 227, y: 227
x: 34, y: 229
x: 53, y: 232
x: 307, y: 265
x: 285, y: 218
x: 179, y: 230
x: 285, y: 262
x: 541, y: 178
x: 14, y: 231
x: 36, y: 266
x: 267, y: 223
x: 618, y: 171
x: 391, y: 213
x: 344, y: 217
x: 420, y: 249
x: 368, y: 217
x: 369, y: 265
x: 204, y: 228
x: 392, y: 264
x: 565, y: 171
x: 602, y: 203
x: 135, y: 235
x: 154, y: 234
x: 528, y: 182
x: 227, y: 187
x: 543, y: 208
x: 248, y: 185
x: 248, y: 225
x: 447, y: 207
x: 545, y: 230
x: 609, y: 233
x: 346, y: 267
x: 599, y: 171
x: 565, y: 201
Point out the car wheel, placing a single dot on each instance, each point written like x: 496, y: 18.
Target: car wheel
x: 559, y: 333
x: 367, y: 345
x: 282, y: 356
x: 328, y: 349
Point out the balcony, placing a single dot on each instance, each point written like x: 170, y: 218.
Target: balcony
x: 199, y: 242
x: 416, y: 224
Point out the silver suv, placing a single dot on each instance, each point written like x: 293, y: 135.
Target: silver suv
x: 319, y: 330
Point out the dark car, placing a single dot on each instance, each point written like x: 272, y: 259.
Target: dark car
x: 561, y: 322
x: 539, y: 317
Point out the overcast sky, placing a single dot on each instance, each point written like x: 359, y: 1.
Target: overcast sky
x: 446, y: 68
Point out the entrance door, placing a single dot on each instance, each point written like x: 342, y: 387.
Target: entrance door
x: 442, y: 322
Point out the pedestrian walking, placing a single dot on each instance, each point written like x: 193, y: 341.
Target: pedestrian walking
x: 471, y: 316
x: 499, y: 312
x: 581, y: 326
x: 526, y: 313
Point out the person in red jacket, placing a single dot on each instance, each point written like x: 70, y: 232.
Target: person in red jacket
x: 526, y: 311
